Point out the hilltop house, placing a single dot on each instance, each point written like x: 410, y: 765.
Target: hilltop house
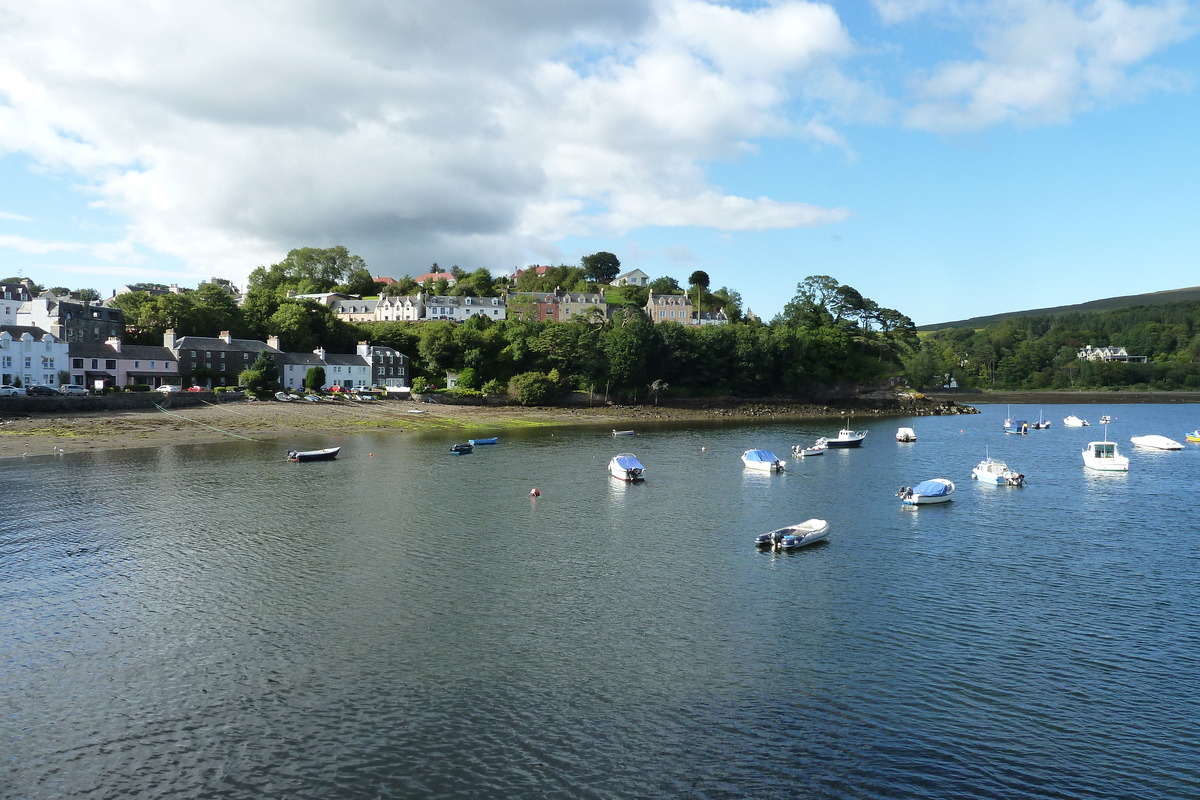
x: 72, y: 321
x: 13, y: 294
x: 635, y: 277
x: 669, y: 308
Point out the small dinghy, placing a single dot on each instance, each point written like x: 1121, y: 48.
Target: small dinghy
x: 624, y: 433
x: 462, y: 449
x: 490, y: 440
x: 800, y: 451
x: 793, y: 536
x: 328, y: 454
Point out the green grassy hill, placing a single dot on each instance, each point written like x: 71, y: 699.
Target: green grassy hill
x: 1108, y: 304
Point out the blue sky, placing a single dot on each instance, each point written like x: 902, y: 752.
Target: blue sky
x: 945, y: 159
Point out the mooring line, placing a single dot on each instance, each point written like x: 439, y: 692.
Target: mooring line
x: 218, y: 430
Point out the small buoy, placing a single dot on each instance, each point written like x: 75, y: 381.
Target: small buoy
x: 372, y: 455
x: 535, y: 492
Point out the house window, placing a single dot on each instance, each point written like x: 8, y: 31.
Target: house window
x: 222, y: 355
x: 193, y: 354
x: 151, y: 365
x: 137, y: 365
x: 95, y: 363
x: 110, y: 363
x: 76, y: 363
x: 662, y: 313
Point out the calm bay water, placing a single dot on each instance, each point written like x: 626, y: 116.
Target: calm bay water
x: 216, y: 622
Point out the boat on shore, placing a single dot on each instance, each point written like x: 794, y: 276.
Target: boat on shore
x: 906, y: 435
x: 626, y: 467
x: 1155, y: 442
x: 793, y: 536
x: 992, y: 470
x: 763, y: 460
x: 934, y: 490
x: 328, y: 454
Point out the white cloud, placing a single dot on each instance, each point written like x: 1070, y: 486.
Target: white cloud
x: 480, y: 133
x: 1044, y: 62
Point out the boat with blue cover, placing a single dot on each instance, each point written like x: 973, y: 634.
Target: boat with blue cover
x: 935, y: 490
x: 490, y: 440
x: 763, y: 460
x: 626, y: 467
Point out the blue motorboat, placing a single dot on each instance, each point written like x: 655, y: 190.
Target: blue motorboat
x: 492, y: 440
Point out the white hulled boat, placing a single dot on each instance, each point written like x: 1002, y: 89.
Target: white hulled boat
x: 1155, y: 442
x: 763, y: 460
x: 906, y: 435
x: 1073, y: 421
x: 935, y: 490
x: 626, y: 467
x: 992, y: 470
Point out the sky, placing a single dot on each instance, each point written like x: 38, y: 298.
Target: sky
x: 946, y: 159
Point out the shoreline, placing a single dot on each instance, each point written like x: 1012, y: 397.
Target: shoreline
x: 54, y: 433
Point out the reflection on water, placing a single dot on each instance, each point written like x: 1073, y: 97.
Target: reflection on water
x: 217, y: 622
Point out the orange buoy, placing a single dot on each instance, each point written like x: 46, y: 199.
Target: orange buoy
x: 535, y: 492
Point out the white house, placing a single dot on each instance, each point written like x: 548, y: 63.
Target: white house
x: 32, y: 355
x: 635, y: 277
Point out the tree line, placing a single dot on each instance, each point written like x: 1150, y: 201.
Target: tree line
x: 828, y: 334
x: 1042, y: 351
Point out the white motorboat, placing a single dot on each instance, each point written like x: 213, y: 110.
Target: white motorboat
x: 935, y: 490
x: 793, y: 536
x: 1075, y: 422
x: 1104, y: 457
x: 906, y: 435
x: 800, y: 451
x: 1155, y: 442
x: 626, y: 467
x: 624, y: 433
x: 1105, y: 419
x: 992, y: 470
x: 763, y: 460
x: 845, y: 438
x: 1041, y: 424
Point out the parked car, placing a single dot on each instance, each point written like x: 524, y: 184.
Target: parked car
x: 73, y: 389
x: 39, y: 389
x: 196, y: 389
x: 7, y: 390
x: 168, y: 387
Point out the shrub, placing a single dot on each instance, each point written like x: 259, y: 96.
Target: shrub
x: 419, y: 384
x: 533, y: 388
x: 494, y: 387
x: 137, y: 387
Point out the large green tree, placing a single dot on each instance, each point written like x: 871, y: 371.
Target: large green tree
x: 601, y: 267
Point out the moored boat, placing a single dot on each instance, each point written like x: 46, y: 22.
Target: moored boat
x: 1194, y: 436
x: 845, y: 438
x: 1104, y: 457
x: 489, y: 440
x: 1073, y: 421
x: 624, y: 433
x: 992, y: 470
x: 462, y: 449
x: 1155, y: 442
x: 763, y: 460
x: 934, y: 490
x: 800, y: 451
x: 906, y: 435
x: 328, y: 454
x: 1016, y: 426
x: 626, y: 467
x: 793, y: 536
x: 1041, y: 424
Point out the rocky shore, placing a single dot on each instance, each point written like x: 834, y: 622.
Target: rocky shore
x: 28, y: 434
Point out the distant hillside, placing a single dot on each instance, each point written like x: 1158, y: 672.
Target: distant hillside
x: 1109, y: 304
